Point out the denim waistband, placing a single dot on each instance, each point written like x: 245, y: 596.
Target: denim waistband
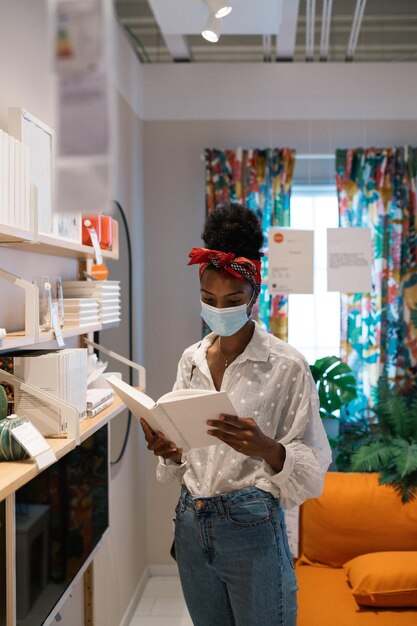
x: 221, y: 502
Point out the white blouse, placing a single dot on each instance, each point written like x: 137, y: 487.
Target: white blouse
x: 271, y: 382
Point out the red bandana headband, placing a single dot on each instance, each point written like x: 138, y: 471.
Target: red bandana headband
x: 239, y: 267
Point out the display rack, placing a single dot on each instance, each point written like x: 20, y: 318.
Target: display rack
x: 13, y: 475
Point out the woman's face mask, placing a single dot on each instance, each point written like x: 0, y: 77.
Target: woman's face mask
x: 228, y: 321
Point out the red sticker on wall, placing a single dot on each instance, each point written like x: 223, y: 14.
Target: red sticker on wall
x: 278, y: 237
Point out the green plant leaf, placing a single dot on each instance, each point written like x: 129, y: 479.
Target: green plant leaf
x: 397, y: 416
x: 374, y: 457
x: 336, y: 384
x: 3, y: 403
x: 406, y: 458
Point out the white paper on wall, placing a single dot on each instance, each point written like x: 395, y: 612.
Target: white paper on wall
x: 349, y: 259
x: 83, y: 115
x: 290, y: 260
x: 79, y: 35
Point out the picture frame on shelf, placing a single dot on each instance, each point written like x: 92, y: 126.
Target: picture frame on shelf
x: 40, y: 139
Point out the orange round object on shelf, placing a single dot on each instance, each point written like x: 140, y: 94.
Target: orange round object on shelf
x: 100, y: 272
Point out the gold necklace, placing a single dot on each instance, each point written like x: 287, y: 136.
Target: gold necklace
x: 228, y: 359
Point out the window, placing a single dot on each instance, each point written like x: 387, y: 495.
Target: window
x: 314, y: 319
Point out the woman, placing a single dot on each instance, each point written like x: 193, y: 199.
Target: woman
x: 231, y: 546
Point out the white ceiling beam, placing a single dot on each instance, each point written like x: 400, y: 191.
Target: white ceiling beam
x: 356, y: 27
x: 310, y: 28
x: 287, y: 31
x: 177, y: 47
x: 325, y: 29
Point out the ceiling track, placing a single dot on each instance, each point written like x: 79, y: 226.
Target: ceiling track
x: 325, y: 29
x: 310, y: 20
x: 356, y: 27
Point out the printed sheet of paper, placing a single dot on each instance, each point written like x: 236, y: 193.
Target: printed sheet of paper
x: 290, y: 260
x: 34, y: 444
x: 83, y: 114
x: 78, y: 35
x: 349, y: 257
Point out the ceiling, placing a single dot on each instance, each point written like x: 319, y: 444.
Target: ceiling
x: 165, y: 31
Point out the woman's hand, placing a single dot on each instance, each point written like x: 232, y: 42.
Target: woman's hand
x: 244, y: 435
x: 159, y: 444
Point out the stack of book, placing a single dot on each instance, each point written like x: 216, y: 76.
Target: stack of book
x: 81, y: 311
x: 14, y: 183
x: 62, y: 373
x: 106, y: 292
x: 98, y: 400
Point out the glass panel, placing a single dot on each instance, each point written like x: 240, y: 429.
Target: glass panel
x: 314, y: 320
x: 60, y: 517
x: 302, y: 322
x: 302, y: 212
x: 2, y: 564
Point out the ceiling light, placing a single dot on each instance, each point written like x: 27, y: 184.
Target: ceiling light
x: 211, y: 30
x: 219, y: 8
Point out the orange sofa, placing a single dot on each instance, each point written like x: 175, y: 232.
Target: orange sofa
x: 358, y: 555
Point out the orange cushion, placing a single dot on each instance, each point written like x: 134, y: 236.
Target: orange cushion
x: 355, y: 515
x: 325, y: 599
x: 384, y: 578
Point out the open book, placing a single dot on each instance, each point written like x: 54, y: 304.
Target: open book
x: 181, y: 415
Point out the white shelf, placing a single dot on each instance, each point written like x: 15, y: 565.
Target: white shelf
x: 48, y: 244
x: 13, y: 341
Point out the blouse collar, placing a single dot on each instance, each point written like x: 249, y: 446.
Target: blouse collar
x: 258, y: 348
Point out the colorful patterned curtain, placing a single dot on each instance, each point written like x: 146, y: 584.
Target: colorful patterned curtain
x: 377, y: 189
x: 261, y: 180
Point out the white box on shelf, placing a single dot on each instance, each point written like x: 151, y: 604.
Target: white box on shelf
x: 40, y: 139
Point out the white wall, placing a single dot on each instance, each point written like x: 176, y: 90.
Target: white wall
x: 189, y: 108
x: 280, y: 91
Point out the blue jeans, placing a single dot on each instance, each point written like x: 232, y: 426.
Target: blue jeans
x: 234, y: 561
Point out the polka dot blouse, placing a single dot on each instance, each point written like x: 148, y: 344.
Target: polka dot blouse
x: 271, y: 382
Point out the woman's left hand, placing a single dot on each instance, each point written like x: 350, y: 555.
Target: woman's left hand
x: 241, y: 433
x: 244, y: 435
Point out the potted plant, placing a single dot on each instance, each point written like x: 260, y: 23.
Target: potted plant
x: 336, y: 386
x: 391, y: 450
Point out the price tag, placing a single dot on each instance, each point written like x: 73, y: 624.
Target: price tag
x: 99, y: 269
x: 34, y: 444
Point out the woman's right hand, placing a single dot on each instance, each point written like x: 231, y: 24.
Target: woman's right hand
x: 159, y: 444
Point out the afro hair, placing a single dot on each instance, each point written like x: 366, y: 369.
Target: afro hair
x: 234, y: 228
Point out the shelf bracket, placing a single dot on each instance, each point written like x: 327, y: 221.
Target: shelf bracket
x: 141, y: 370
x: 31, y: 303
x: 71, y: 412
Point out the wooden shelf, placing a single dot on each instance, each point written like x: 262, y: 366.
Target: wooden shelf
x: 14, y: 341
x: 14, y: 475
x: 48, y: 244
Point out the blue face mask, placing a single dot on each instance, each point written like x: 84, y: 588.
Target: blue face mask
x: 225, y: 322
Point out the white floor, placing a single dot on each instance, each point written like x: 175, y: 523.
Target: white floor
x: 162, y: 604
